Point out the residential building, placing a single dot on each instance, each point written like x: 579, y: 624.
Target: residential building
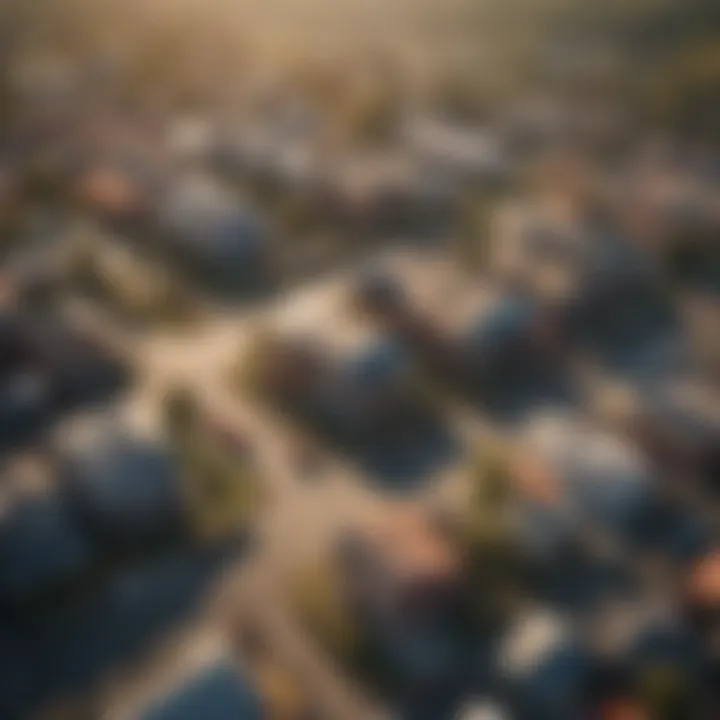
x: 350, y: 377
x: 461, y: 155
x: 544, y: 666
x: 594, y: 476
x: 48, y: 367
x: 42, y: 549
x: 483, y: 710
x: 702, y: 595
x: 403, y: 577
x: 112, y: 192
x: 484, y: 333
x: 559, y: 249
x: 385, y: 193
x: 216, y: 692
x: 125, y: 489
x: 678, y: 426
x: 213, y: 233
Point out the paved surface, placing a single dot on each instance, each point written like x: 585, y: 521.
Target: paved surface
x: 298, y: 523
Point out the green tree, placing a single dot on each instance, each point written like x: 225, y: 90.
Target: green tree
x: 318, y: 600
x: 491, y: 480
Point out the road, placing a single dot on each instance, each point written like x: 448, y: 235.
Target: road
x: 299, y: 522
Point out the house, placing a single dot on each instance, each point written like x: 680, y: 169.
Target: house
x: 482, y: 333
x: 190, y: 138
x: 41, y: 548
x: 543, y: 667
x: 699, y: 312
x: 283, y: 157
x: 670, y: 210
x: 380, y: 294
x: 388, y: 193
x: 26, y: 393
x: 701, y: 600
x: 405, y: 292
x: 677, y: 204
x: 24, y: 403
x: 459, y: 154
x: 679, y: 428
x: 403, y: 577
x: 125, y: 489
x: 201, y: 224
x: 703, y: 585
x: 23, y: 394
x: 47, y: 367
x: 515, y: 333
x: 216, y: 692
x: 348, y: 376
x: 79, y: 365
x: 483, y: 710
x: 593, y: 476
x: 567, y: 254
x: 534, y: 125
x: 112, y: 193
x: 363, y: 394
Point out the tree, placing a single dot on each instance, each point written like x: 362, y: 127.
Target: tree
x: 221, y: 494
x: 488, y: 540
x: 318, y: 600
x: 491, y: 480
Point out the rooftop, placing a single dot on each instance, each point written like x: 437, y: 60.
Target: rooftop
x: 534, y: 637
x: 217, y: 692
x: 704, y: 581
x: 322, y: 315
x: 597, y: 470
x: 435, y: 286
x: 39, y: 545
x: 410, y: 545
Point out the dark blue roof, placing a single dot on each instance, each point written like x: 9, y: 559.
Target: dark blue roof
x: 557, y: 681
x: 127, y: 481
x: 217, y: 233
x: 380, y: 363
x: 23, y: 397
x: 665, y: 644
x: 611, y: 254
x: 237, y: 236
x: 217, y: 693
x: 506, y: 321
x: 40, y: 545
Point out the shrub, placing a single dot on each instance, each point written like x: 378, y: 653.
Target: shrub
x: 317, y: 598
x: 491, y: 479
